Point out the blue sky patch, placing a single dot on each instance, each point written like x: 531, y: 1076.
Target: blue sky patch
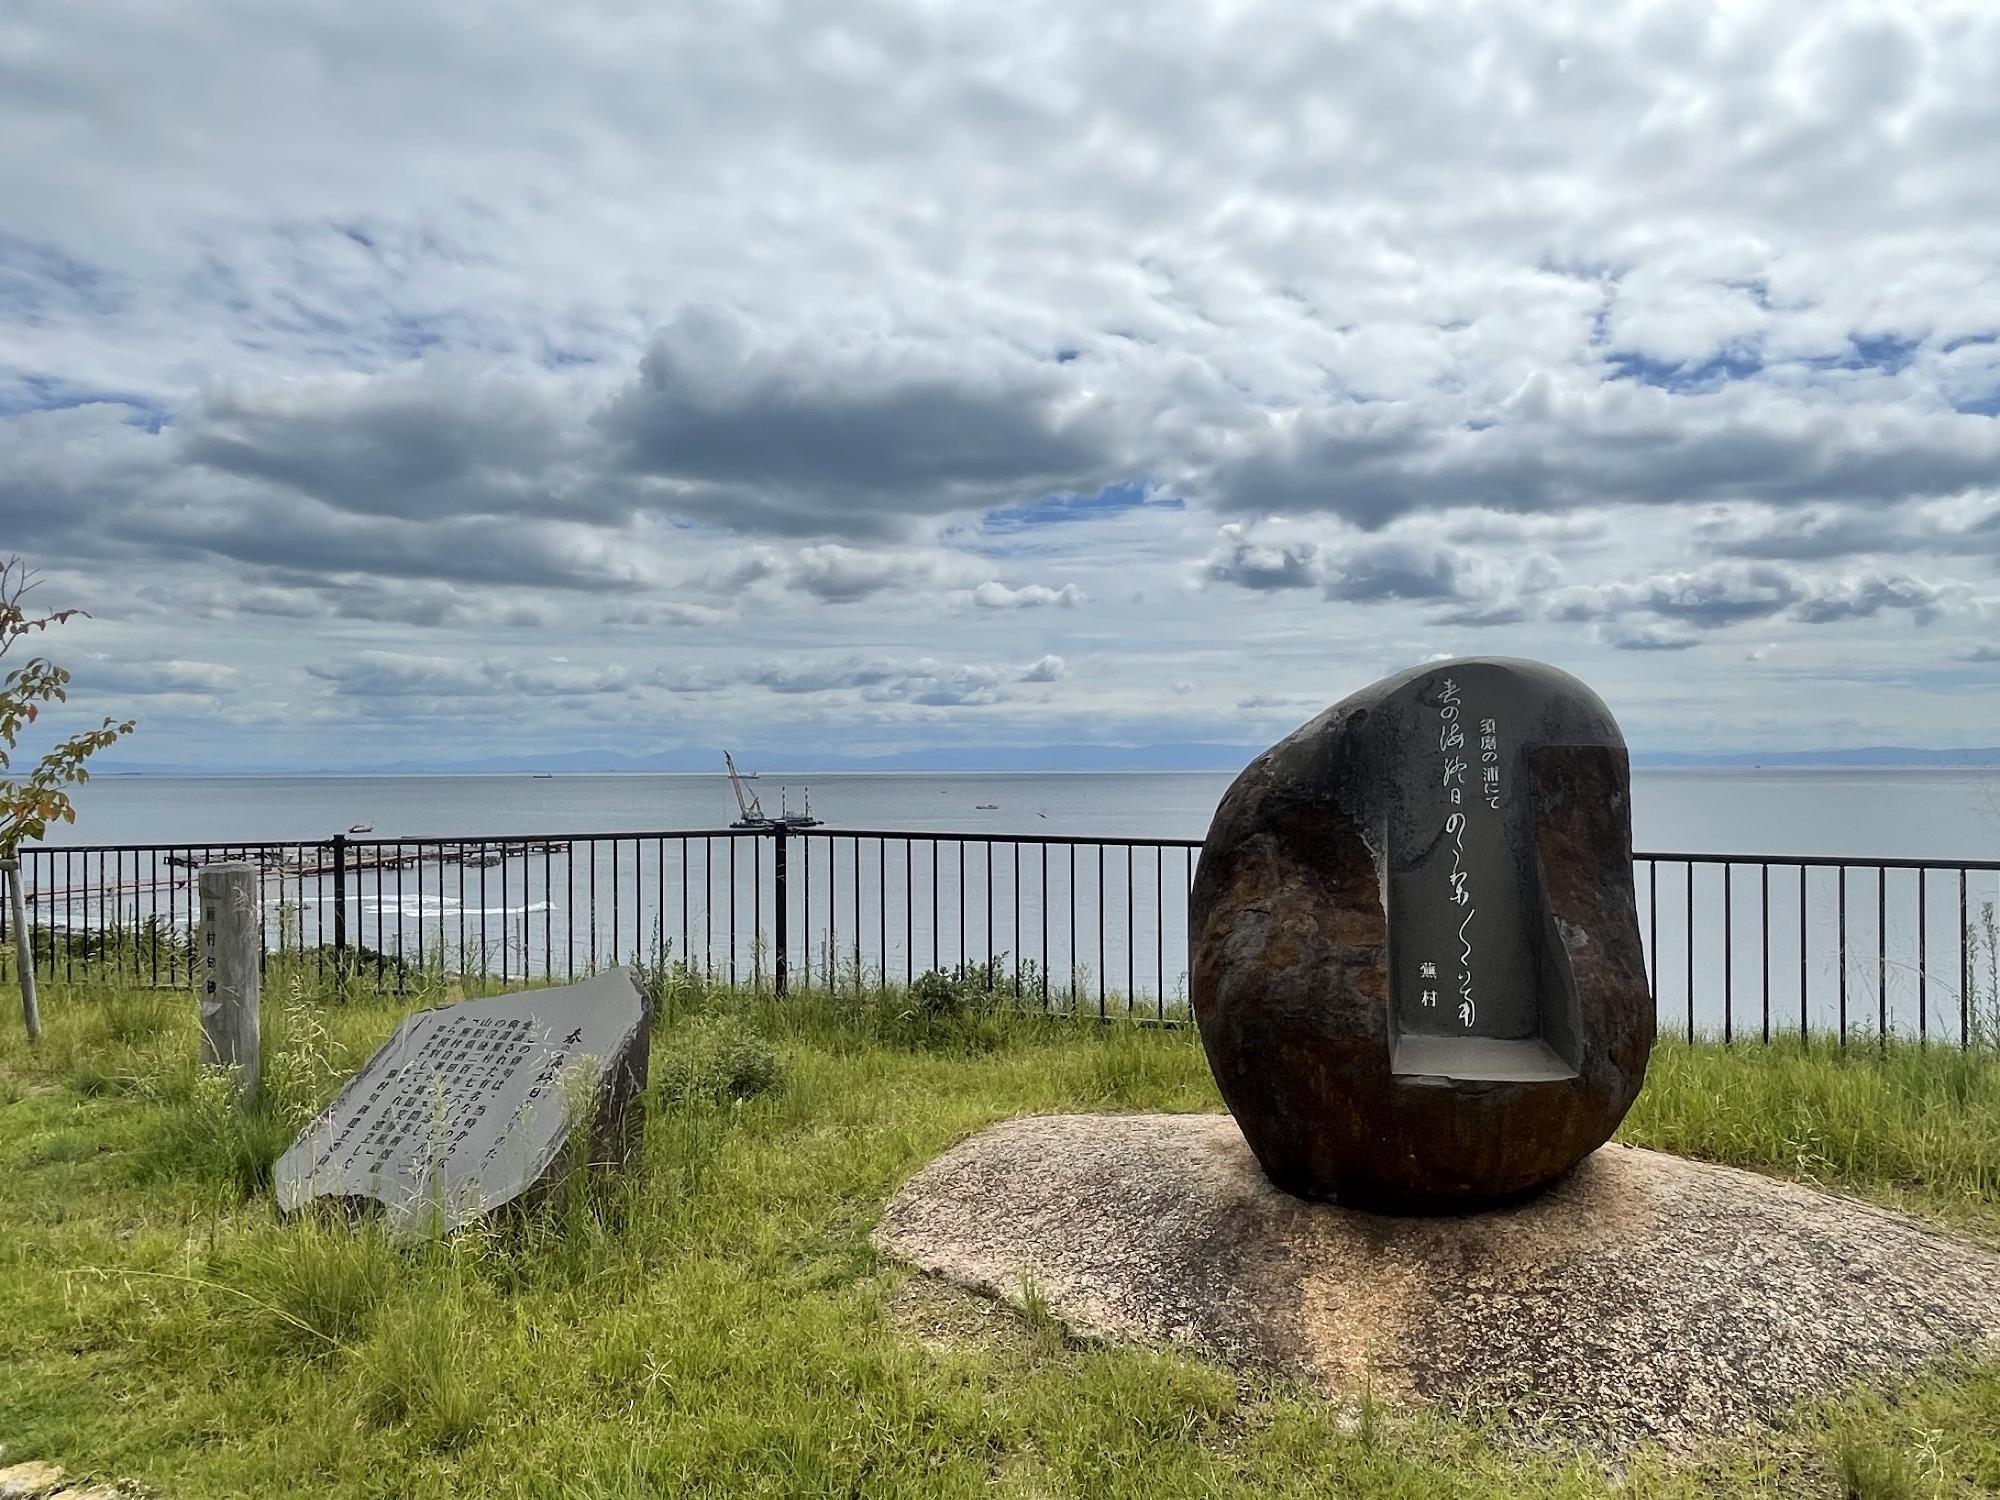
x: 1054, y: 510
x: 1736, y: 363
x: 25, y: 393
x: 1888, y: 352
x: 410, y: 337
x: 37, y: 279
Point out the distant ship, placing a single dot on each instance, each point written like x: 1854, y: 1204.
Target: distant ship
x: 986, y: 807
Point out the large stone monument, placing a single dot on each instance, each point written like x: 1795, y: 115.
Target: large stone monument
x: 1417, y: 966
x: 1418, y: 974
x: 470, y: 1106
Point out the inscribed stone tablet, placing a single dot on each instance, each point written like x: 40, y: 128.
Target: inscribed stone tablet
x: 1477, y: 992
x: 468, y: 1107
x: 1416, y: 961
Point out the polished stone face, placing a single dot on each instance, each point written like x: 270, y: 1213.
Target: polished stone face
x: 468, y: 1107
x: 1417, y: 963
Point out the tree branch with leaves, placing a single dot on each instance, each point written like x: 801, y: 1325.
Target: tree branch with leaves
x: 28, y: 804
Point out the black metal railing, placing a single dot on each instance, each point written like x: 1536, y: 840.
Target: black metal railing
x: 1737, y: 946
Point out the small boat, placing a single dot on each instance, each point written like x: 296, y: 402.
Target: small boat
x: 361, y: 828
x: 986, y: 807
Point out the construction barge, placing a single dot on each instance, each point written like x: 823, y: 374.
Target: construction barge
x: 472, y: 852
x: 750, y: 811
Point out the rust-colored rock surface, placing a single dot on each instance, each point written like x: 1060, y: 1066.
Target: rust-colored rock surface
x: 1417, y: 966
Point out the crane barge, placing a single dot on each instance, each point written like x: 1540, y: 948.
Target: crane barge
x: 752, y: 811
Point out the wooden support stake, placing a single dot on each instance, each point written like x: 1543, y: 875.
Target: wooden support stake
x: 24, y: 948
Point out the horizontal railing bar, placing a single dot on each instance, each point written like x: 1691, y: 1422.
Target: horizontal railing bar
x: 370, y: 841
x: 1059, y: 839
x: 367, y: 841
x: 1821, y: 861
x: 563, y: 838
x: 176, y: 846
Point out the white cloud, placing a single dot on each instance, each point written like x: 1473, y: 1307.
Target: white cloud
x: 993, y: 594
x: 757, y: 350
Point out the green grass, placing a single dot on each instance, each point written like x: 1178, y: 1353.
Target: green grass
x: 714, y: 1322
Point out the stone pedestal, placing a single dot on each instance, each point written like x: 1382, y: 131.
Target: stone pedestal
x: 1642, y: 1298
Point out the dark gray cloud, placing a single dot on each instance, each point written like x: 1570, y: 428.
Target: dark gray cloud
x: 1367, y: 571
x: 387, y: 674
x: 1815, y: 534
x: 1484, y: 615
x: 1733, y: 593
x: 1568, y: 446
x: 84, y: 482
x: 829, y: 572
x: 1267, y: 703
x: 141, y: 676
x: 286, y: 532
x: 810, y: 438
x: 1864, y: 597
x: 68, y: 477
x: 1265, y: 566
x: 1641, y: 636
x: 923, y: 682
x: 1712, y: 597
x: 1573, y: 532
x: 1377, y: 571
x: 280, y: 594
x: 433, y: 442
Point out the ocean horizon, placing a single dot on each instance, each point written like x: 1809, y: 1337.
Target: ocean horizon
x: 1861, y: 812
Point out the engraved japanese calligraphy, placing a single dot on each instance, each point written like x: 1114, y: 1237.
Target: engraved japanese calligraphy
x: 467, y: 1107
x: 1464, y: 959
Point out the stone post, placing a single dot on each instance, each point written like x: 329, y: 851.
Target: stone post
x: 24, y: 946
x: 231, y: 950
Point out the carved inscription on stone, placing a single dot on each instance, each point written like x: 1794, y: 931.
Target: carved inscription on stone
x: 1462, y: 944
x: 468, y: 1107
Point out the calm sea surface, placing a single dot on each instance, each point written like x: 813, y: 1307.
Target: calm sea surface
x: 1862, y: 813
x: 1737, y: 947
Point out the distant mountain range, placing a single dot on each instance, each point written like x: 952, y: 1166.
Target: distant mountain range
x: 1167, y: 757
x: 1987, y: 757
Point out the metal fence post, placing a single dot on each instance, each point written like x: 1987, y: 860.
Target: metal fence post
x: 339, y: 846
x: 781, y: 939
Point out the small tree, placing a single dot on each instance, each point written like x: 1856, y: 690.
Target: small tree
x: 28, y: 804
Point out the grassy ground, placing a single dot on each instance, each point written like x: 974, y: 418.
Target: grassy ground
x: 714, y: 1322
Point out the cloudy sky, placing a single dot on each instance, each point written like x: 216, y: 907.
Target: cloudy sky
x: 411, y: 378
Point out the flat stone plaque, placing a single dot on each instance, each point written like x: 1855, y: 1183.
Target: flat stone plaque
x: 468, y: 1107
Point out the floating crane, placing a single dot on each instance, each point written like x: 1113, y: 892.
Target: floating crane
x: 753, y: 814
